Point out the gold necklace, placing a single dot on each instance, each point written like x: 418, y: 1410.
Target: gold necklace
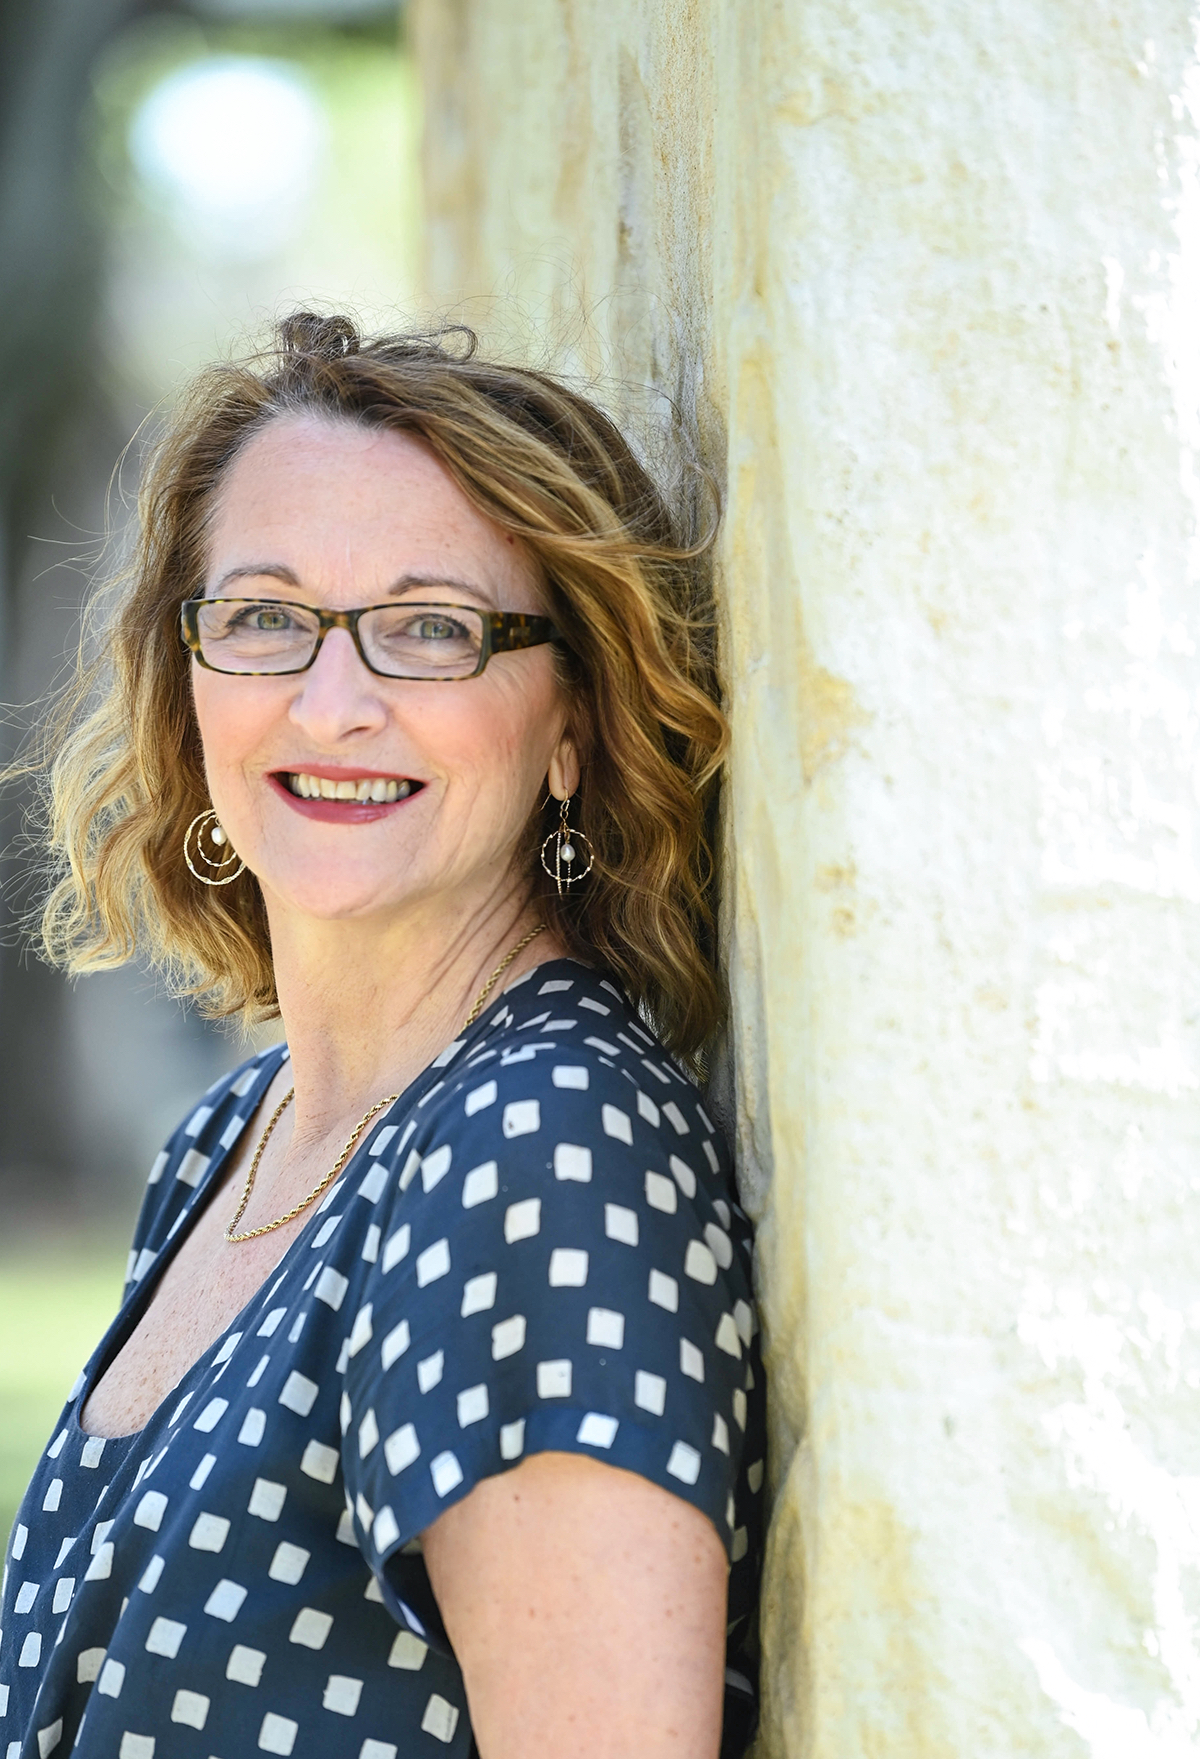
x: 236, y: 1239
x: 485, y: 992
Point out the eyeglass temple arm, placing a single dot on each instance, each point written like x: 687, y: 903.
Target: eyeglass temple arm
x: 510, y: 630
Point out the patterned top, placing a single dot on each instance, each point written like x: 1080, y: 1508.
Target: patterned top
x: 536, y: 1247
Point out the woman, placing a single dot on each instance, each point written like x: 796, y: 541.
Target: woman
x: 431, y: 1420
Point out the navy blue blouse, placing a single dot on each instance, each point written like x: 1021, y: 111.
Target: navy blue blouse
x: 538, y: 1246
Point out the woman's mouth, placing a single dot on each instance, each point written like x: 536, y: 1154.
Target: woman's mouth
x: 381, y: 789
x: 342, y: 798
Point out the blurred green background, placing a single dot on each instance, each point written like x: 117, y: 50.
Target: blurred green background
x: 54, y: 1305
x: 174, y: 175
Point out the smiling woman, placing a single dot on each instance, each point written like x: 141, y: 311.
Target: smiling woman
x: 547, y: 479
x: 438, y: 1353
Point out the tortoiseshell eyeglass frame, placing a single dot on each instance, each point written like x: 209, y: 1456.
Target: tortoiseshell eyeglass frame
x: 503, y: 632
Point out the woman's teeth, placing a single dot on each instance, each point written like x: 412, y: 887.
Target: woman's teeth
x: 369, y: 788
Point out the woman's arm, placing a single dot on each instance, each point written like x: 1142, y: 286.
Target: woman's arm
x: 587, y: 1610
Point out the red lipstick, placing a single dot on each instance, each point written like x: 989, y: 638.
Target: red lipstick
x: 342, y: 812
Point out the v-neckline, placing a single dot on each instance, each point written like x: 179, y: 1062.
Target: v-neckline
x: 133, y: 1310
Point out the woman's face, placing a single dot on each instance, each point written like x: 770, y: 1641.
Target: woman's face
x: 331, y: 514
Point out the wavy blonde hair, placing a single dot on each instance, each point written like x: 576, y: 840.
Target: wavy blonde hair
x: 122, y: 766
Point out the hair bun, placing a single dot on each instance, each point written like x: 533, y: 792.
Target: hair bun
x: 306, y: 332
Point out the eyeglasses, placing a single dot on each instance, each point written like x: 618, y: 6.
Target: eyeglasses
x: 438, y: 643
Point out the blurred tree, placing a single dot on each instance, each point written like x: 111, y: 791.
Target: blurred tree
x: 49, y: 244
x: 50, y: 387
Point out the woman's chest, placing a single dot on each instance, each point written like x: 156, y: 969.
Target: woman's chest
x: 204, y: 1288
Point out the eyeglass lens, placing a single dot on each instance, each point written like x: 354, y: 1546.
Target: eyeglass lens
x: 401, y: 641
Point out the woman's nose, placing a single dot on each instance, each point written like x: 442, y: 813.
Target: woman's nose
x: 338, y: 695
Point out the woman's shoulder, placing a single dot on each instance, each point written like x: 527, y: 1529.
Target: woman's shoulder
x: 551, y: 1258
x: 565, y: 1030
x: 551, y: 1101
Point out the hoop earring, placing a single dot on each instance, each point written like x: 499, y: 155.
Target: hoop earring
x: 564, y: 873
x: 219, y: 838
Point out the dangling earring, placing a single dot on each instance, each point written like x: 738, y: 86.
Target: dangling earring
x: 565, y: 871
x: 219, y: 839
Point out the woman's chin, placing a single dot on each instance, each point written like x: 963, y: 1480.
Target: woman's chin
x: 339, y: 897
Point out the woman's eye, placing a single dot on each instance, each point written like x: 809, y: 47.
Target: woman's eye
x: 435, y: 629
x: 258, y: 619
x: 269, y: 619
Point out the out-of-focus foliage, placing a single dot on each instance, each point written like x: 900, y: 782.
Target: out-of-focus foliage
x: 193, y: 266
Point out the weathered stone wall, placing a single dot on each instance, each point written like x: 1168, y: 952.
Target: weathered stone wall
x: 928, y: 280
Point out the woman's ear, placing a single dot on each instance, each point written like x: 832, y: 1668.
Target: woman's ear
x: 563, y: 775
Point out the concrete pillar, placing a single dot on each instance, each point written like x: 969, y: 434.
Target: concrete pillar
x: 928, y: 279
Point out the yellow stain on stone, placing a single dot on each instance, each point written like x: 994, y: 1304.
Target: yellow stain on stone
x: 828, y: 715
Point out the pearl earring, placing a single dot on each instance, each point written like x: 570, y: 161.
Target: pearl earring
x: 564, y: 871
x: 218, y: 837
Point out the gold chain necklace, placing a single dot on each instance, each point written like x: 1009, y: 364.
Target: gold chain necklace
x: 234, y: 1238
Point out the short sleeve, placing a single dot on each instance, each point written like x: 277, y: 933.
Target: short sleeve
x: 559, y: 1269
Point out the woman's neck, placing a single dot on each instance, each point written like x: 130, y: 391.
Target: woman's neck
x: 366, y: 1005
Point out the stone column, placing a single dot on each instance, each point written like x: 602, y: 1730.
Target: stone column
x: 927, y: 281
